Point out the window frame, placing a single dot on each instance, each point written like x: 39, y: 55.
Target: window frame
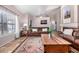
x: 4, y: 24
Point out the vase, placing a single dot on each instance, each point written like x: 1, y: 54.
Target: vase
x: 49, y: 35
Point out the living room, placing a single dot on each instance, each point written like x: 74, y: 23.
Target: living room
x: 39, y: 29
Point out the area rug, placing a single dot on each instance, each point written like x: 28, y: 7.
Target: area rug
x: 31, y: 45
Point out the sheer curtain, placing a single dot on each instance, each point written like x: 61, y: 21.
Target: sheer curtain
x: 17, y: 30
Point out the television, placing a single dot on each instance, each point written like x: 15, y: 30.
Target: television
x: 43, y: 21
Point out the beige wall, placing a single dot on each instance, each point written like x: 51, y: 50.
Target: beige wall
x: 36, y: 22
x: 56, y: 16
x: 24, y: 20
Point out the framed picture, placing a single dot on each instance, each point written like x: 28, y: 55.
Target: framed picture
x: 43, y: 21
x: 66, y: 14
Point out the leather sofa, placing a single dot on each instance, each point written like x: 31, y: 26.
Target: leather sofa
x: 37, y: 31
x: 74, y: 39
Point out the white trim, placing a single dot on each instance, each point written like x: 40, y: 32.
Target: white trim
x: 17, y: 31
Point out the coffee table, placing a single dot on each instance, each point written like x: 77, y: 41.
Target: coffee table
x: 55, y: 44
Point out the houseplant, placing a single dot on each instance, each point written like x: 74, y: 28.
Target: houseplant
x: 50, y: 30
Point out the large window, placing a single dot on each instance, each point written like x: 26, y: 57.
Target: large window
x: 4, y: 23
x: 11, y: 26
x: 7, y: 22
x: 0, y: 28
x: 0, y: 24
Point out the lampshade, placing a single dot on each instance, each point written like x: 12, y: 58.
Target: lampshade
x: 53, y: 22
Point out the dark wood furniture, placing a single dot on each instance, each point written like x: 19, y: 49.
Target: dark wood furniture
x: 55, y: 44
x: 23, y: 33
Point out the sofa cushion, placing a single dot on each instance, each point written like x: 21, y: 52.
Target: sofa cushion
x: 44, y: 30
x: 68, y: 31
x: 34, y: 30
x: 67, y: 37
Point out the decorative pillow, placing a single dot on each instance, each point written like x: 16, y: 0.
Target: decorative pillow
x: 44, y: 30
x: 34, y: 30
x: 68, y: 31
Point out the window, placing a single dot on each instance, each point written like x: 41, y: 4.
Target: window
x: 11, y: 26
x: 0, y: 28
x: 7, y: 22
x: 0, y: 18
x: 0, y: 24
x: 4, y: 23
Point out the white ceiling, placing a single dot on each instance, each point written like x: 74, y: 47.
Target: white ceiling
x: 35, y: 9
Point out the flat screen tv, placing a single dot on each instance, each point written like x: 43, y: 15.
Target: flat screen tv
x: 43, y: 21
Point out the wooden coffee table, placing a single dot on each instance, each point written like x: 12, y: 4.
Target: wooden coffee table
x: 55, y: 44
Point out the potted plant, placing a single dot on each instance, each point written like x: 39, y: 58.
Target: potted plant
x: 50, y: 30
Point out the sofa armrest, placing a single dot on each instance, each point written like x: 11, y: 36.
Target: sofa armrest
x: 67, y: 37
x: 59, y: 32
x: 77, y: 41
